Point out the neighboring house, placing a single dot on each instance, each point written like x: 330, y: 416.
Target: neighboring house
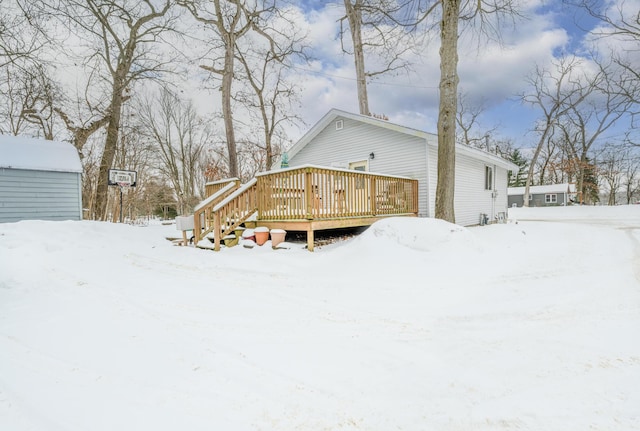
x: 352, y: 141
x: 543, y: 196
x: 39, y: 180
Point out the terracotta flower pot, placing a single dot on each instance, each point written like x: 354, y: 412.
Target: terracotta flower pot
x: 277, y: 237
x: 249, y: 234
x: 262, y: 235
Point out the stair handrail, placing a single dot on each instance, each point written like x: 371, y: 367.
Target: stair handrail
x: 206, y: 206
x: 234, y: 210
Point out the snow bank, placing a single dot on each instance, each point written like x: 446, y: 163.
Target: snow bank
x: 416, y: 324
x: 419, y: 234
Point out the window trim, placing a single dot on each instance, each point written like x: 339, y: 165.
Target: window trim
x: 488, y: 177
x: 339, y: 124
x: 551, y: 198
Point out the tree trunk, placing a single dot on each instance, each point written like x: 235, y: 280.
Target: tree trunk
x: 354, y: 14
x: 534, y: 160
x: 447, y: 114
x: 227, y: 80
x: 582, y: 166
x: 110, y: 146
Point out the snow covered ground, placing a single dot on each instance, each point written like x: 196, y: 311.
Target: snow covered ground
x: 416, y: 324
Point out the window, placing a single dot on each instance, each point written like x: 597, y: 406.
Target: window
x: 339, y: 124
x: 361, y: 166
x: 488, y: 178
x: 551, y: 199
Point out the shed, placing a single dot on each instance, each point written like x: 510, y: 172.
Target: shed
x: 543, y: 196
x: 353, y: 141
x: 39, y: 180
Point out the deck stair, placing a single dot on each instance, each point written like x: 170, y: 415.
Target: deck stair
x: 203, y: 213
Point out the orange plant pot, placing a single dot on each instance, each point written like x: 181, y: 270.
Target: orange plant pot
x: 262, y: 235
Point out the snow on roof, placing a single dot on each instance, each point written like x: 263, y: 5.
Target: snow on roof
x: 20, y: 152
x: 551, y: 188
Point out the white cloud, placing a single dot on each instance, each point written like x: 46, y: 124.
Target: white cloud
x: 488, y: 71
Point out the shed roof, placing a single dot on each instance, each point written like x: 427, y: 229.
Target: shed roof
x: 550, y: 188
x: 20, y: 152
x: 430, y: 138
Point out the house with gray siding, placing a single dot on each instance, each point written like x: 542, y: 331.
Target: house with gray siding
x: 352, y: 141
x: 39, y: 180
x: 543, y: 196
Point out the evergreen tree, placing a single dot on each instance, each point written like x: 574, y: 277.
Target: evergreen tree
x: 518, y: 179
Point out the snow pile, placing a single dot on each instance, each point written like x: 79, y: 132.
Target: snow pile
x: 420, y: 234
x: 416, y: 324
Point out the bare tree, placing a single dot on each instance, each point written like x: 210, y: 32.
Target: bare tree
x: 447, y: 110
x: 375, y: 27
x: 122, y: 36
x: 611, y: 170
x: 547, y: 160
x: 620, y: 23
x: 271, y: 95
x: 85, y: 114
x: 20, y: 32
x: 485, y: 16
x: 582, y: 125
x: 231, y: 20
x: 30, y: 96
x: 134, y: 153
x: 81, y: 132
x: 554, y: 93
x: 631, y: 180
x: 15, y: 93
x: 180, y: 139
x: 469, y: 128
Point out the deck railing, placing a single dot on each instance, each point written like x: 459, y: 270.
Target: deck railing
x: 214, y: 186
x: 234, y: 210
x: 304, y: 193
x: 322, y: 193
x: 203, y: 213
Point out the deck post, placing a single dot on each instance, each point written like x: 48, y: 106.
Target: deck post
x: 310, y: 238
x: 308, y: 193
x: 197, y: 229
x: 217, y: 231
x: 373, y: 195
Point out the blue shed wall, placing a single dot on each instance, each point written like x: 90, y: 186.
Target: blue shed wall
x: 39, y: 195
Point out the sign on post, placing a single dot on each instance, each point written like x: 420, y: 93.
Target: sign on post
x: 122, y: 178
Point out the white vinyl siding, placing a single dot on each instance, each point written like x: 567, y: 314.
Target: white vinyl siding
x: 501, y: 178
x: 471, y: 197
x: 407, y: 152
x: 433, y: 175
x: 39, y: 195
x: 395, y: 153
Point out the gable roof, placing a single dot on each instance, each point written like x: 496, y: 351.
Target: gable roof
x: 20, y: 152
x: 550, y: 188
x: 429, y: 138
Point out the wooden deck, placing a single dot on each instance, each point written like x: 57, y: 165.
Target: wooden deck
x: 306, y: 198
